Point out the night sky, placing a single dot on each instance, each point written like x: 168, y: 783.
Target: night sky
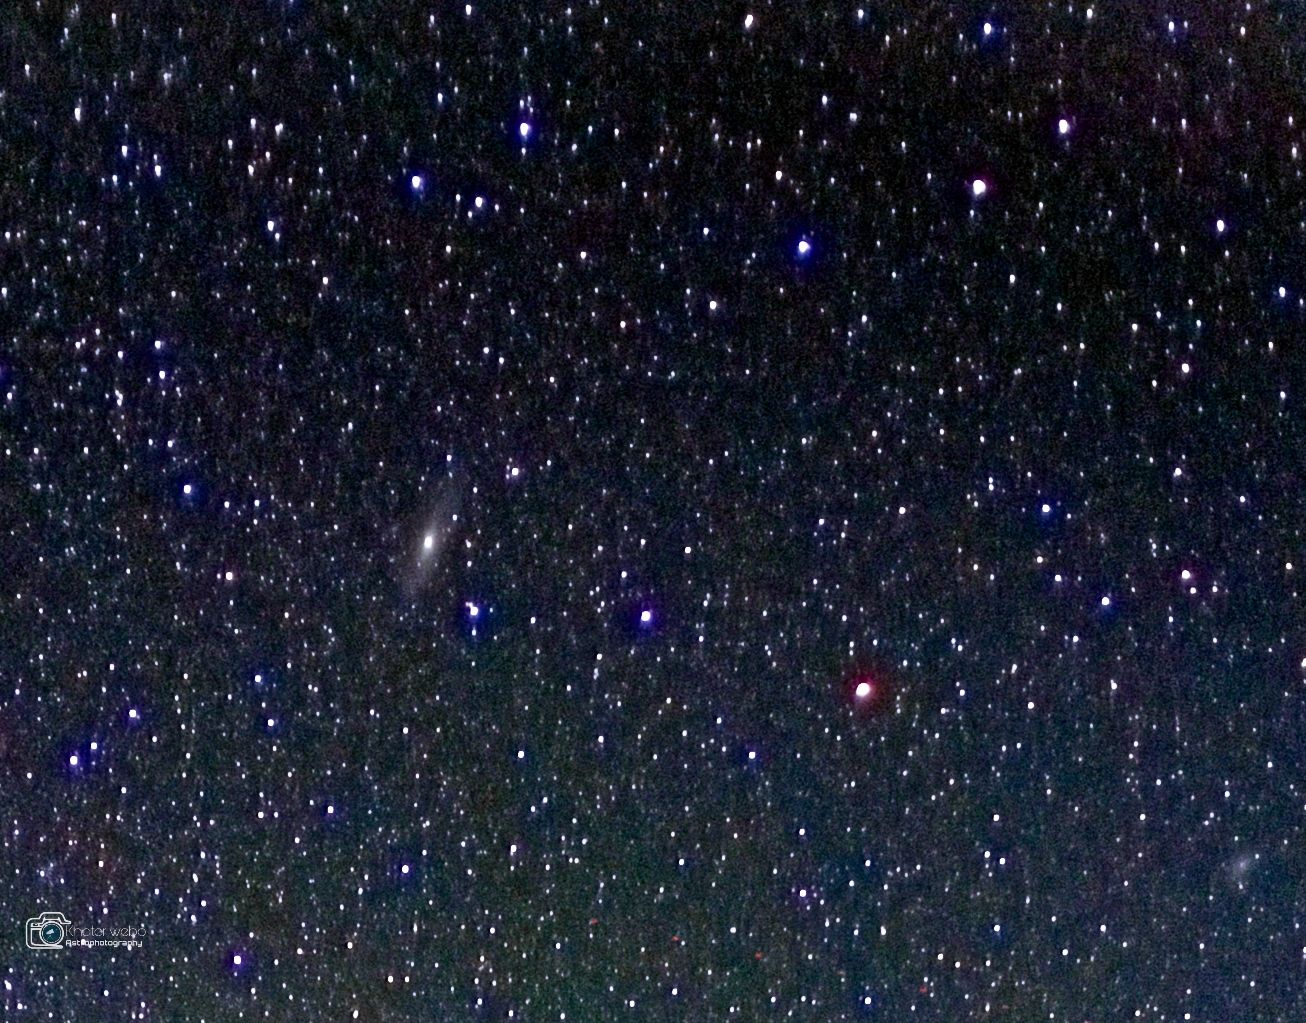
x: 654, y: 511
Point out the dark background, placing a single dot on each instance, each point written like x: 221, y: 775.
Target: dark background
x: 1049, y: 808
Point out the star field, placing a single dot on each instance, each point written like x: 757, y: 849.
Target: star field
x: 589, y: 512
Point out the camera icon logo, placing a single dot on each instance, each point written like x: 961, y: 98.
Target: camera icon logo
x: 47, y: 930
